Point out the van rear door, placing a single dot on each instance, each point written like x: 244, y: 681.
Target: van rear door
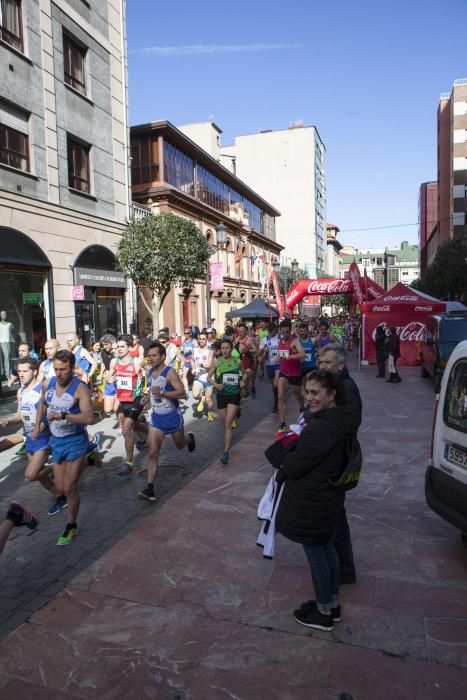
x: 451, y: 445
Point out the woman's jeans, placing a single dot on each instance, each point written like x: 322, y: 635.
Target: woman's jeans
x: 324, y: 565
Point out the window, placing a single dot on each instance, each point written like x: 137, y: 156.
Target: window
x: 78, y: 166
x: 455, y: 405
x: 145, y: 160
x: 74, y: 62
x: 379, y: 261
x: 11, y: 30
x: 14, y: 139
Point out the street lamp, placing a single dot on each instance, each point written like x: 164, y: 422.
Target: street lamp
x: 294, y: 267
x: 276, y: 266
x: 221, y: 240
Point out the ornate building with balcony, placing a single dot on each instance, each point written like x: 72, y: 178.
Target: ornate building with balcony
x: 171, y: 173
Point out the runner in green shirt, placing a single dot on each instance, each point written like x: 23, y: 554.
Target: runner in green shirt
x: 225, y: 375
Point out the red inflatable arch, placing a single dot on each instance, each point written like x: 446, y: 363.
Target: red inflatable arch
x: 362, y: 288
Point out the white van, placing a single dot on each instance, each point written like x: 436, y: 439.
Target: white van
x: 446, y: 476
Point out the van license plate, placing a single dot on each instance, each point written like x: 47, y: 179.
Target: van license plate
x: 455, y: 455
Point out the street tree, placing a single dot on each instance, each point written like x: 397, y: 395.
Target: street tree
x: 287, y: 277
x: 446, y: 277
x: 160, y: 252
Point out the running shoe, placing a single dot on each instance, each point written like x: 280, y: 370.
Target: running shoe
x: 59, y: 504
x: 311, y: 604
x: 141, y: 445
x: 20, y: 516
x: 234, y: 424
x: 282, y: 427
x: 210, y: 416
x: 67, y: 536
x: 192, y: 443
x: 200, y: 406
x: 126, y: 470
x: 224, y: 457
x: 21, y: 452
x: 147, y: 494
x: 314, y: 619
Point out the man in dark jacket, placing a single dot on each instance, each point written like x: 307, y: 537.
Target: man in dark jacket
x: 332, y: 358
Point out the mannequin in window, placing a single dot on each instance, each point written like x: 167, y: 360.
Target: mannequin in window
x: 7, y: 344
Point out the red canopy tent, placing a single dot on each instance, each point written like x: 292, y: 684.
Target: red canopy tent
x: 407, y: 310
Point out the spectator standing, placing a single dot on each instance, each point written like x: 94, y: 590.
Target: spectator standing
x: 381, y: 354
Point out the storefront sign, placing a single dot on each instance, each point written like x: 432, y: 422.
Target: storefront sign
x: 77, y: 292
x: 99, y: 278
x: 217, y: 276
x: 33, y: 298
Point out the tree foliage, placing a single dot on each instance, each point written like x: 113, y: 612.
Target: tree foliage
x: 161, y: 252
x: 446, y: 277
x: 287, y: 277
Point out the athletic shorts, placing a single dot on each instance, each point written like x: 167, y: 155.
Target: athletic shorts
x: 271, y: 370
x: 203, y: 382
x: 224, y: 399
x: 131, y: 409
x: 69, y: 448
x: 110, y: 389
x: 293, y: 381
x: 168, y: 423
x: 307, y: 370
x: 187, y: 364
x: 42, y: 443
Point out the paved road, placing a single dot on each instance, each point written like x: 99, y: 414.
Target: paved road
x: 33, y: 568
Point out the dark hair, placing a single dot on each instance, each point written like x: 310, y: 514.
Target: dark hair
x: 25, y: 343
x: 227, y: 342
x: 33, y: 364
x: 229, y: 331
x: 125, y: 338
x: 324, y: 323
x: 65, y: 356
x: 285, y: 323
x: 155, y: 345
x: 272, y: 326
x: 108, y: 338
x: 328, y: 381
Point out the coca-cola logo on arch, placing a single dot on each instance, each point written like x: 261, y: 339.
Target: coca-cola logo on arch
x: 339, y: 286
x: 414, y: 332
x: 381, y: 308
x: 423, y: 308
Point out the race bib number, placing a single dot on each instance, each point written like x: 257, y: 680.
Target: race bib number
x: 124, y: 383
x: 230, y: 379
x: 308, y: 357
x: 284, y: 354
x: 273, y: 355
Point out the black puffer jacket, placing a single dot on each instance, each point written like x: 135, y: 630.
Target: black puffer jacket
x: 310, y: 507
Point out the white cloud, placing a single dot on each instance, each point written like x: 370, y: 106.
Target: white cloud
x: 207, y: 49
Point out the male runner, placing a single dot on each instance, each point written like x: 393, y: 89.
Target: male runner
x: 110, y: 389
x: 46, y: 369
x: 324, y: 337
x: 83, y: 358
x: 165, y: 390
x: 309, y: 348
x: 69, y: 410
x: 23, y: 351
x: 291, y: 355
x: 202, y: 358
x: 37, y: 450
x: 125, y: 372
x: 269, y: 350
x: 186, y: 348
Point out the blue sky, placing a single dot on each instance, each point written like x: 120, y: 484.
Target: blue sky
x: 367, y: 74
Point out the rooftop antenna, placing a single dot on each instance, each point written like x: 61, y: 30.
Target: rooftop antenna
x: 296, y: 123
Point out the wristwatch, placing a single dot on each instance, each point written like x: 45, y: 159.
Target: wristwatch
x: 63, y: 415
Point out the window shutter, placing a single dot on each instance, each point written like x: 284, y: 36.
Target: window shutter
x: 14, y: 118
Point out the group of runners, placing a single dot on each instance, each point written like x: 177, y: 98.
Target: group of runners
x: 144, y: 386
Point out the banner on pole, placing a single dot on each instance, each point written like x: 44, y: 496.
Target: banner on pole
x: 217, y: 276
x: 279, y: 300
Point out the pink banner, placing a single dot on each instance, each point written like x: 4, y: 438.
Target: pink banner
x: 217, y: 276
x: 279, y: 300
x: 354, y: 274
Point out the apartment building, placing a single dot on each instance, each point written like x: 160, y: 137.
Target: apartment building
x: 287, y: 167
x: 452, y: 171
x: 387, y: 266
x: 172, y: 173
x: 428, y: 221
x: 64, y: 167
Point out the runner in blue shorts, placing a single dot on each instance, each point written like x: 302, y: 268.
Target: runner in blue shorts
x: 67, y: 401
x: 37, y: 449
x: 165, y: 390
x: 269, y: 347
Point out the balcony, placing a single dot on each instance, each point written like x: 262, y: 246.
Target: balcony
x: 138, y: 212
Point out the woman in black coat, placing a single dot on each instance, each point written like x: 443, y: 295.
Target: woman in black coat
x: 310, y: 506
x: 381, y: 354
x: 393, y: 348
